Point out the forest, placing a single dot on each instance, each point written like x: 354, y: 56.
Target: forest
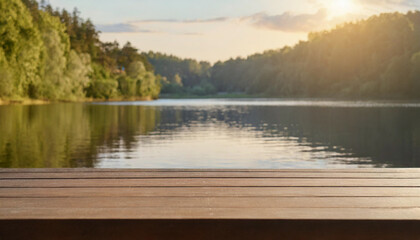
x: 53, y: 54
x: 376, y: 58
x: 182, y: 76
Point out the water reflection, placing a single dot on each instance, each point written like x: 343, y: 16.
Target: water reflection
x: 225, y: 134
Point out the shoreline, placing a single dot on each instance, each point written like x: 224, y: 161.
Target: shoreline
x: 261, y: 96
x: 42, y: 102
x: 191, y: 97
x: 215, y: 96
x: 24, y: 102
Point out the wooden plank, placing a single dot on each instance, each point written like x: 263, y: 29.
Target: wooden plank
x: 212, y: 202
x: 150, y: 174
x: 210, y: 194
x: 209, y: 182
x: 213, y: 213
x: 212, y: 191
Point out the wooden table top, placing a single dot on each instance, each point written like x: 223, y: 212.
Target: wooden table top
x: 342, y: 194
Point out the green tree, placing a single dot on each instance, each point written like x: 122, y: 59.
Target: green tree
x: 415, y: 73
x: 21, y: 44
x: 369, y: 58
x: 396, y: 79
x: 177, y: 80
x: 147, y: 84
x: 78, y: 72
x: 6, y: 77
x: 57, y: 55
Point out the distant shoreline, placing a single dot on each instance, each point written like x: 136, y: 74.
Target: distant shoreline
x: 255, y: 96
x: 186, y: 96
x: 162, y: 96
x: 224, y: 95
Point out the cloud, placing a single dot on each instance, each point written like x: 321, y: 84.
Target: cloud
x: 285, y: 22
x: 381, y: 3
x: 288, y: 22
x: 122, y: 28
x: 190, y: 34
x: 384, y: 3
x: 209, y: 20
x: 132, y: 28
x: 137, y: 26
x: 375, y: 6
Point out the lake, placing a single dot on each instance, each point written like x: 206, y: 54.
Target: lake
x: 211, y: 133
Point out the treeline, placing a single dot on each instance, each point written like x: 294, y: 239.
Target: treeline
x: 182, y: 76
x: 374, y: 58
x: 53, y: 54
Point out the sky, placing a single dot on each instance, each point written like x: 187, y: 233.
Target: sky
x: 213, y: 30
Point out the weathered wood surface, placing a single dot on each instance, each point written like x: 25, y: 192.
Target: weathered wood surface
x: 66, y: 194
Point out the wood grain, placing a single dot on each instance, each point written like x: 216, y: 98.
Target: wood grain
x: 213, y: 213
x: 207, y: 182
x: 214, y: 202
x: 188, y: 194
x: 212, y: 192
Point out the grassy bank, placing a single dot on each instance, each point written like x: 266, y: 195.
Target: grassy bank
x: 39, y: 102
x: 23, y: 101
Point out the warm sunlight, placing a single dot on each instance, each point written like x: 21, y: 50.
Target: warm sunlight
x: 342, y: 7
x: 209, y: 119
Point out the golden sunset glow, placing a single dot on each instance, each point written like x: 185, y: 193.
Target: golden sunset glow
x: 342, y: 7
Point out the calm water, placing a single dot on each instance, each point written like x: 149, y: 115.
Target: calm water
x: 254, y: 133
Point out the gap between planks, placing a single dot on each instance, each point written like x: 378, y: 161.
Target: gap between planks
x: 213, y: 191
x: 151, y: 175
x: 213, y: 202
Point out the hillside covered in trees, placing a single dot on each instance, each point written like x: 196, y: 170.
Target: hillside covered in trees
x: 56, y: 55
x: 374, y: 58
x: 53, y: 54
x: 185, y: 76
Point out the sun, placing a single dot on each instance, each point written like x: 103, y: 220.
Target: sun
x: 342, y: 7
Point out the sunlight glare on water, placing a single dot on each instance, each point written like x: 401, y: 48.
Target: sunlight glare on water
x: 265, y: 102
